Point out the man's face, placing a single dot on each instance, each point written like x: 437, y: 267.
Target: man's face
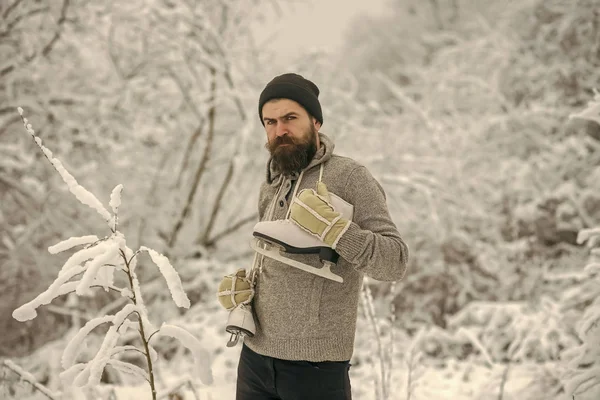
x: 292, y: 135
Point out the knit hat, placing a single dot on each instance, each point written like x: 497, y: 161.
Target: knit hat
x: 294, y: 87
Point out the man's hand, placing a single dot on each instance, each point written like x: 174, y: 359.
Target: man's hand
x: 313, y: 212
x: 235, y: 289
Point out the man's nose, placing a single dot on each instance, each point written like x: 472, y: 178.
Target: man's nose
x: 281, y: 129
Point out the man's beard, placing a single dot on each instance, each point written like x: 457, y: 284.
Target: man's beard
x: 297, y: 154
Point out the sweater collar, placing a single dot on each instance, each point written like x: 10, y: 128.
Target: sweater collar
x: 322, y: 155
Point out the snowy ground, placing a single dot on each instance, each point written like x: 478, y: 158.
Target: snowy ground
x: 459, y: 381
x: 441, y: 378
x: 431, y: 379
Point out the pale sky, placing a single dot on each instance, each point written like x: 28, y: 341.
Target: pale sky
x: 315, y: 23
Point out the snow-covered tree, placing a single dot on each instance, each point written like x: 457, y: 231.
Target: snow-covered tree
x: 95, y: 267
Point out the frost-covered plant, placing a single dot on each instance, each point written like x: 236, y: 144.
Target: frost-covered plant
x: 93, y: 267
x: 384, y: 353
x: 506, y: 331
x: 582, y: 380
x: 583, y: 376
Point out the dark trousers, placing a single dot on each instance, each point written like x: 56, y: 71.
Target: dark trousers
x: 267, y: 378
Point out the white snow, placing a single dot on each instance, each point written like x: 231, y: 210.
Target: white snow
x: 84, y: 196
x: 83, y: 255
x: 57, y: 288
x: 69, y: 375
x: 94, y: 266
x: 98, y: 363
x: 72, y: 242
x: 105, y: 277
x: 585, y: 234
x: 201, y: 356
x: 76, y: 343
x: 128, y: 368
x: 115, y: 198
x: 171, y: 276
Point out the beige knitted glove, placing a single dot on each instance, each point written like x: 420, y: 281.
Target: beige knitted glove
x: 235, y: 289
x: 313, y: 212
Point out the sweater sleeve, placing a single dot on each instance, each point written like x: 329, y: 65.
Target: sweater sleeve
x: 372, y: 243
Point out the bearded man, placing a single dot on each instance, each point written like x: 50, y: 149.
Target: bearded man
x: 305, y: 324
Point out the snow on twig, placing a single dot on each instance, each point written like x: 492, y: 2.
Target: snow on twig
x: 585, y: 234
x: 111, y: 250
x: 69, y: 243
x: 592, y: 111
x: 171, y: 276
x: 115, y: 198
x: 28, y: 377
x: 83, y: 195
x: 128, y: 368
x: 72, y: 349
x: 201, y: 356
x: 28, y: 310
x: 92, y: 372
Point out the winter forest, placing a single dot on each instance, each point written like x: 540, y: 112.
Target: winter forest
x: 480, y: 119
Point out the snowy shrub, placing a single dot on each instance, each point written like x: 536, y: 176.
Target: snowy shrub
x: 384, y: 354
x: 511, y: 331
x: 582, y: 380
x: 97, y: 265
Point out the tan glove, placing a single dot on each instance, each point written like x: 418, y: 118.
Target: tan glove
x: 235, y: 289
x: 313, y: 212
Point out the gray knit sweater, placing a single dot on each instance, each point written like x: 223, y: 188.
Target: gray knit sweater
x: 300, y: 316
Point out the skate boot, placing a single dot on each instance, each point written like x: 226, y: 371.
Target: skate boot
x: 240, y: 323
x: 274, y: 238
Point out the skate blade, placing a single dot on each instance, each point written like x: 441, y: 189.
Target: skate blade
x: 275, y: 253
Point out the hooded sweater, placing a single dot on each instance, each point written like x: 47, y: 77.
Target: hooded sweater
x: 301, y: 316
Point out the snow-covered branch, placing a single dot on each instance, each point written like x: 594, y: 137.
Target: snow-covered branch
x: 29, y: 378
x: 97, y: 263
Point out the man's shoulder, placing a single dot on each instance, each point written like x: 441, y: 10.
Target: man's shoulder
x: 346, y: 164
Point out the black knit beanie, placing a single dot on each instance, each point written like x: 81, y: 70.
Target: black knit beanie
x: 294, y: 87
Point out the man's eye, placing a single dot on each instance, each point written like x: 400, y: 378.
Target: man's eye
x: 270, y: 122
x: 291, y: 117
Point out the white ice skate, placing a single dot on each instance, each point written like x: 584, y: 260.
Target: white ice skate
x: 240, y: 323
x: 275, y: 238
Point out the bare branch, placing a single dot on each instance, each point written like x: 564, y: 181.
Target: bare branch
x: 9, y: 182
x: 10, y: 8
x: 203, y: 163
x: 7, y: 70
x: 61, y: 20
x: 186, y: 94
x: 217, y: 204
x: 19, y: 18
x: 239, y: 256
x: 503, y: 382
x: 231, y: 229
x: 236, y: 99
x: 188, y: 151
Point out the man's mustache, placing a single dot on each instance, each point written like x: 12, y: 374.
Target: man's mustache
x: 283, y: 140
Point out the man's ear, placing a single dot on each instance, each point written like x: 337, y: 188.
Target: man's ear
x: 317, y: 123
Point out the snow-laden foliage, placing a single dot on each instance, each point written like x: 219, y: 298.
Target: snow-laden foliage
x: 82, y: 194
x: 583, y: 377
x: 582, y: 380
x: 505, y: 332
x: 171, y: 276
x: 94, y: 266
x: 192, y: 344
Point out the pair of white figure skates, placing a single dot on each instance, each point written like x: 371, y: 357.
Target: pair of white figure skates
x: 274, y: 239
